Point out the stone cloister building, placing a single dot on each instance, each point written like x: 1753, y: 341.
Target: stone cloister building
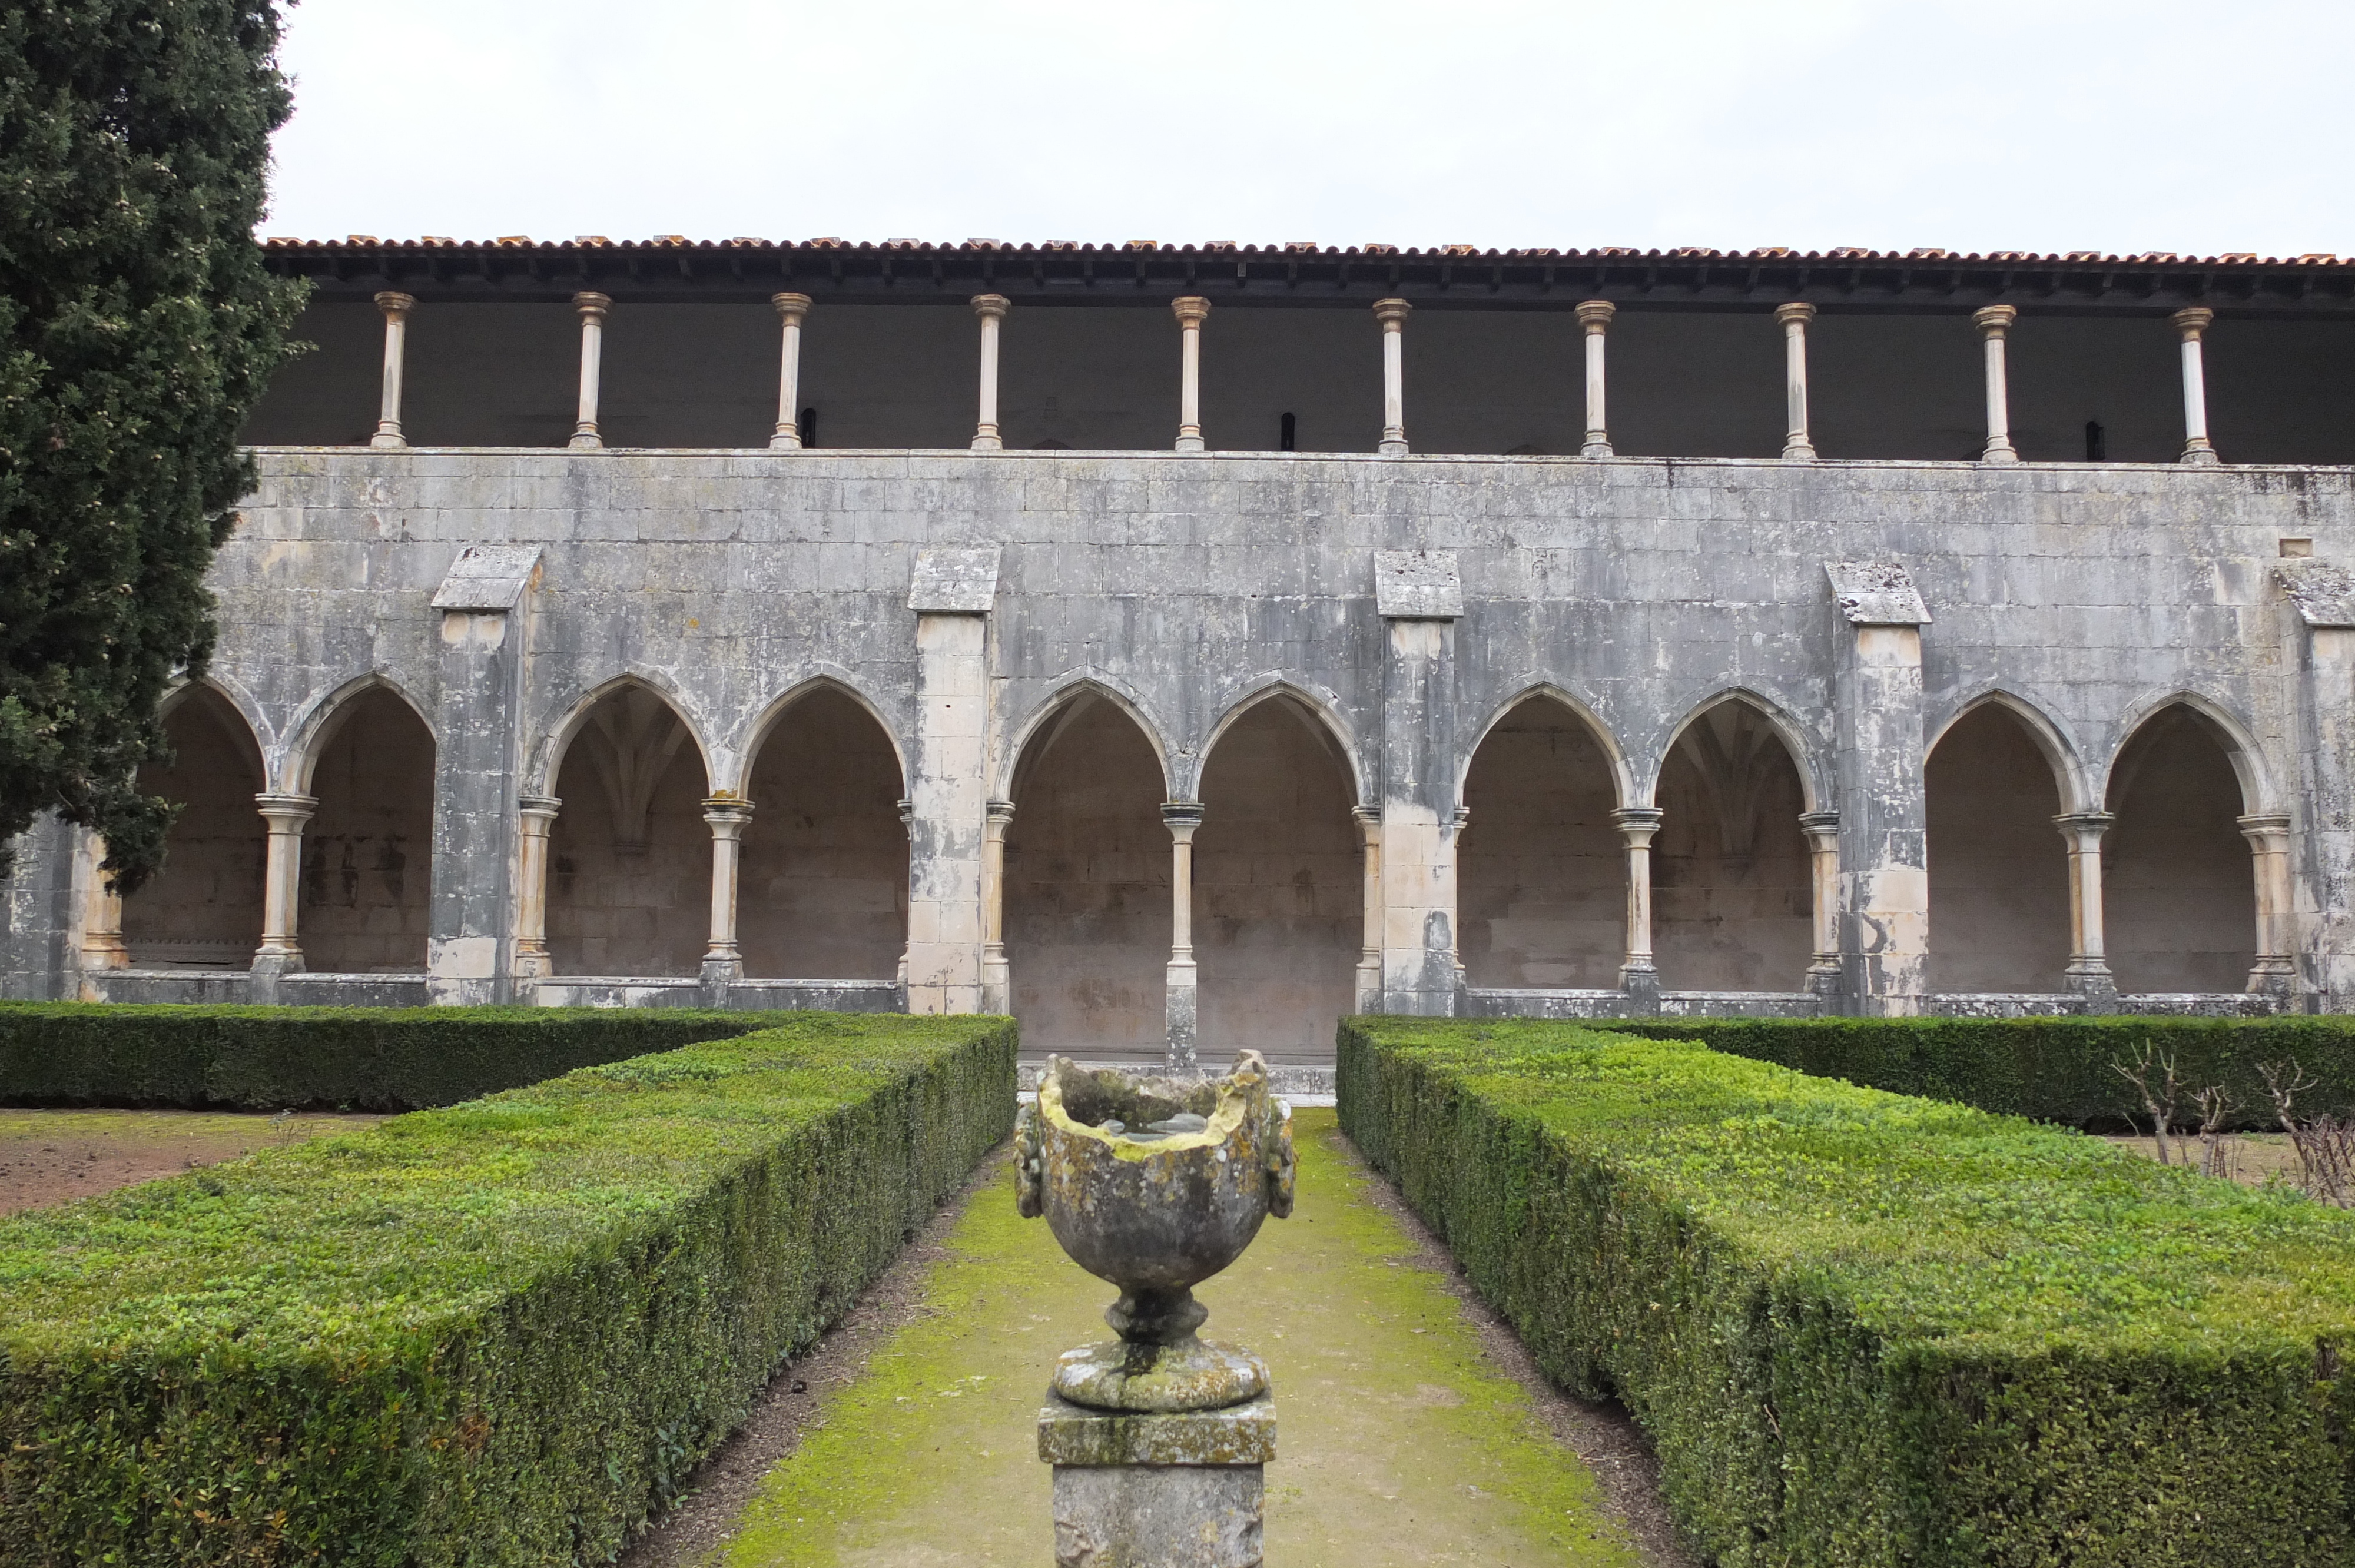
x: 1177, y: 645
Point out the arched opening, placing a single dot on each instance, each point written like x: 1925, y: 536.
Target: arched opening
x: 2176, y: 883
x: 203, y: 910
x: 629, y: 884
x: 367, y: 851
x: 1998, y: 867
x: 1279, y: 888
x: 1732, y: 884
x: 1541, y: 878
x: 1087, y: 887
x: 822, y: 884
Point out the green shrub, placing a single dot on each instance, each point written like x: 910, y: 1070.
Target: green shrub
x: 2053, y: 1069
x: 362, y: 1058
x: 1870, y: 1329
x: 496, y: 1333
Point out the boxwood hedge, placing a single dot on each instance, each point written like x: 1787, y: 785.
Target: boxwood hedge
x: 496, y: 1333
x: 1866, y: 1329
x: 2053, y: 1069
x: 362, y: 1058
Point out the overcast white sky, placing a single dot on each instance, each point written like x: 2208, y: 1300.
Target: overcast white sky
x: 1993, y: 125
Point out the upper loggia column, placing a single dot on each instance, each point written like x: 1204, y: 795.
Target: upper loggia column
x: 791, y: 308
x: 396, y: 308
x: 536, y: 820
x: 992, y: 309
x: 1392, y: 314
x: 281, y: 952
x: 2088, y: 973
x: 1369, y: 955
x: 2322, y: 595
x: 2192, y: 325
x: 1822, y: 831
x: 723, y: 962
x: 1419, y: 597
x: 1795, y: 318
x: 592, y: 307
x: 1182, y: 991
x: 951, y: 592
x: 485, y: 893
x: 1190, y: 310
x: 1594, y: 316
x: 1995, y: 324
x: 1884, y: 866
x: 996, y: 974
x: 2275, y: 971
x: 1639, y: 976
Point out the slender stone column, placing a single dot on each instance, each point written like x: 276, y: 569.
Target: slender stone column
x: 1795, y: 318
x: 1994, y: 323
x: 2275, y: 970
x: 1183, y: 817
x: 1190, y: 310
x: 1822, y: 829
x: 396, y: 308
x: 907, y: 941
x: 992, y: 309
x: 537, y: 817
x: 723, y: 964
x: 1392, y: 314
x: 1596, y: 315
x: 2088, y: 973
x: 997, y: 975
x: 592, y: 308
x: 1638, y: 976
x: 791, y: 308
x: 2191, y: 324
x: 1369, y: 955
x: 101, y: 946
x: 281, y: 952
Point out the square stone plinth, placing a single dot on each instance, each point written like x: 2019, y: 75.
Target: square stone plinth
x: 1182, y: 1490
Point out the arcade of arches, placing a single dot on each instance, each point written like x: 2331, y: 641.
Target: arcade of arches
x: 1710, y: 888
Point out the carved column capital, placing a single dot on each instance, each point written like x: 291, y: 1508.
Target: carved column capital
x: 1994, y: 321
x: 1189, y: 309
x: 395, y: 304
x: 592, y: 305
x: 2191, y: 321
x: 1182, y: 818
x: 993, y: 307
x: 1393, y: 314
x: 791, y: 307
x: 1638, y: 824
x: 1595, y: 314
x: 1798, y: 312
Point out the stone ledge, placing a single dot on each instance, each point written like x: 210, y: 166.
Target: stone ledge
x: 1240, y: 1434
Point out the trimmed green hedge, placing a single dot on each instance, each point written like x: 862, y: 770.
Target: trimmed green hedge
x: 359, y: 1058
x: 1870, y: 1329
x: 2053, y: 1069
x: 496, y: 1333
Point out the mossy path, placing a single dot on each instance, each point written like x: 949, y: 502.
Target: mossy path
x: 1398, y: 1442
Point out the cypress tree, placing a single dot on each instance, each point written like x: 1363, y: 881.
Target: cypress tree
x: 137, y: 328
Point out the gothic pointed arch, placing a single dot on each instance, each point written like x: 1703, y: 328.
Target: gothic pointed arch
x: 1733, y: 879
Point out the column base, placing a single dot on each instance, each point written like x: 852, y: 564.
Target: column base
x: 1391, y: 447
x: 1597, y: 450
x: 1190, y: 444
x: 1369, y: 994
x: 2091, y: 979
x: 268, y: 965
x: 785, y: 441
x: 384, y: 440
x: 1999, y: 454
x: 988, y: 441
x: 1824, y: 983
x: 2275, y: 976
x: 1641, y: 984
x: 1181, y: 1053
x: 585, y: 441
x: 719, y: 973
x: 996, y: 982
x: 1799, y: 451
x: 1180, y: 1490
x: 2200, y: 454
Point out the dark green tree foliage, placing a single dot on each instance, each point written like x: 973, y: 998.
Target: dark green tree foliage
x: 137, y: 328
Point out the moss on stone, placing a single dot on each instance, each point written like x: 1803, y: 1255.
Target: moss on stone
x: 1398, y: 1442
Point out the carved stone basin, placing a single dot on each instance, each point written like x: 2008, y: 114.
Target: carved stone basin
x: 1154, y: 1184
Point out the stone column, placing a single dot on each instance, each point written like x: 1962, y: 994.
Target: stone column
x: 791, y: 308
x: 281, y: 952
x: 1419, y: 596
x: 1795, y: 318
x: 102, y: 946
x: 900, y: 975
x: 396, y: 308
x: 1369, y: 955
x: 2088, y: 973
x: 1638, y: 976
x: 2192, y: 325
x: 2275, y: 970
x: 992, y: 309
x: 951, y: 593
x: 1392, y: 314
x: 1884, y: 876
x: 475, y: 912
x: 592, y: 308
x: 997, y: 975
x: 1822, y: 829
x: 537, y: 815
x: 1994, y: 323
x: 1190, y: 310
x: 1183, y: 817
x: 723, y: 965
x: 1596, y: 315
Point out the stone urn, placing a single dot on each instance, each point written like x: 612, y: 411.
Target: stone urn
x: 1154, y: 1184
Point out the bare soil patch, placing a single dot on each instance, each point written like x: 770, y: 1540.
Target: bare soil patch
x: 57, y: 1156
x: 2251, y: 1158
